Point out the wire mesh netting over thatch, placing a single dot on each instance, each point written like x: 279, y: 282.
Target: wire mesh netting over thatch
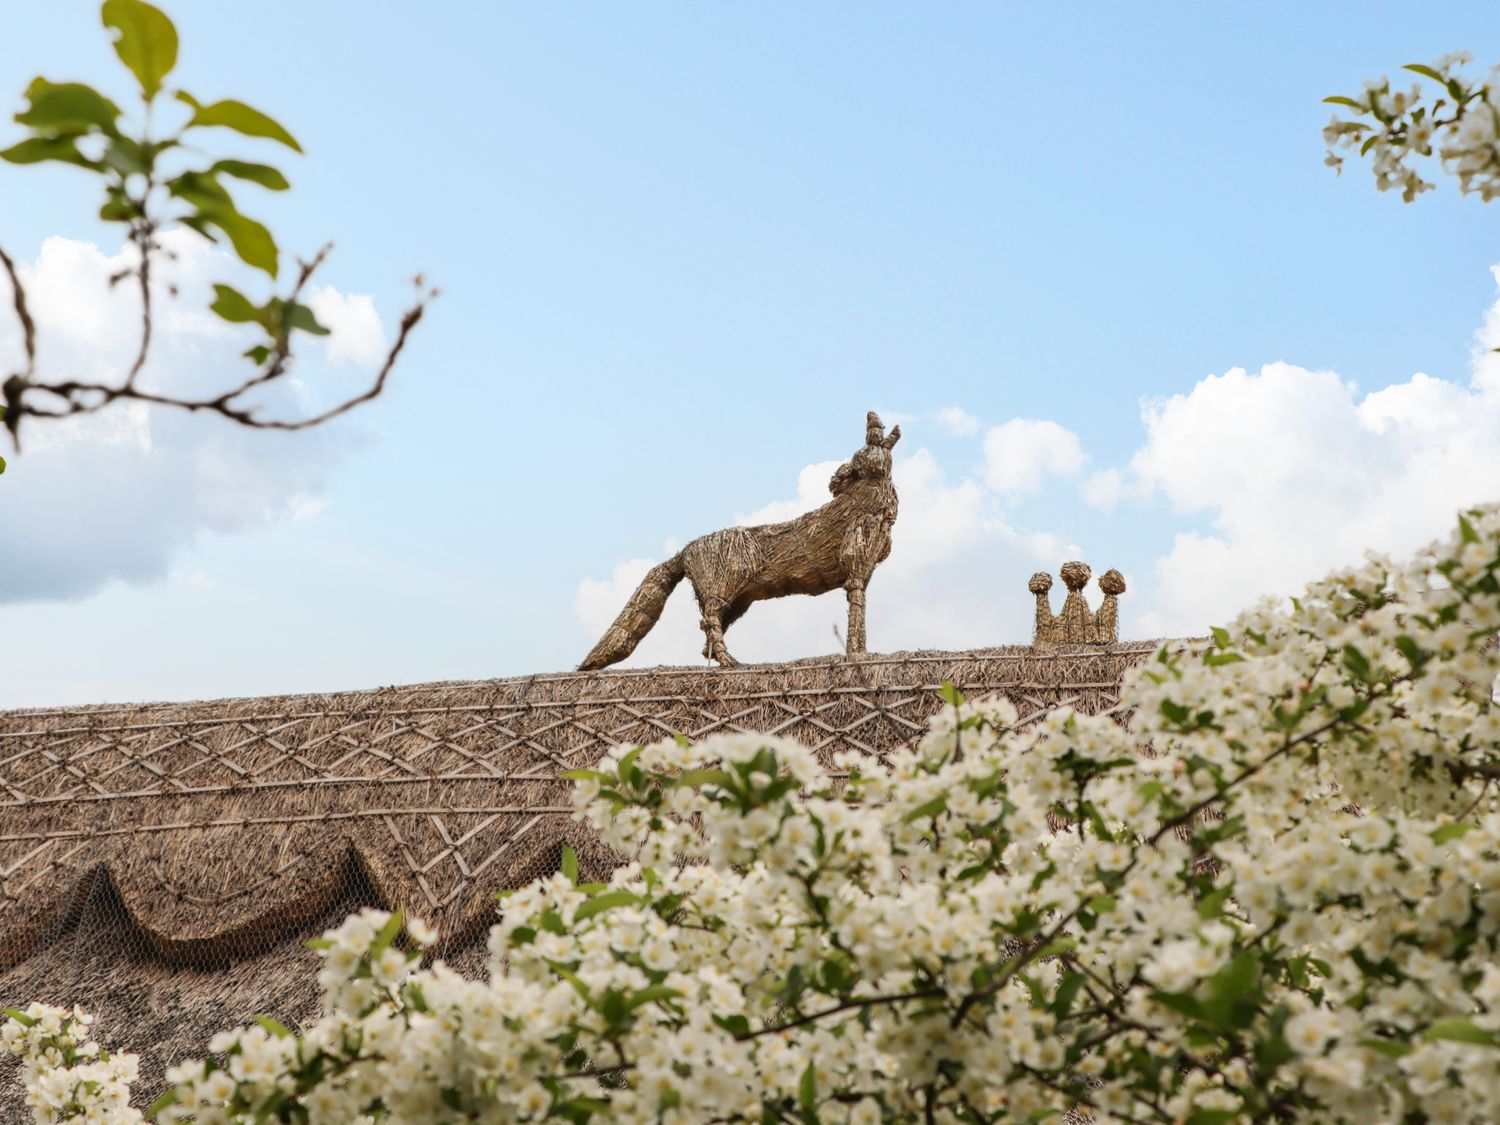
x: 161, y: 864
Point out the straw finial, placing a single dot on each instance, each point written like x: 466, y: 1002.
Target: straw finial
x: 1107, y: 620
x: 1046, y: 625
x: 1077, y: 624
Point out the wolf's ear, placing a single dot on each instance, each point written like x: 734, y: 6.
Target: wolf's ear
x: 894, y: 438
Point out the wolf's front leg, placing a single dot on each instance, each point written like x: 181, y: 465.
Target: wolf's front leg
x: 856, y: 592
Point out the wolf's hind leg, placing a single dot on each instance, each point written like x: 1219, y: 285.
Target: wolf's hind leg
x: 713, y: 632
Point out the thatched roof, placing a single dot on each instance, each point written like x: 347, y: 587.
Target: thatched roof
x: 160, y: 863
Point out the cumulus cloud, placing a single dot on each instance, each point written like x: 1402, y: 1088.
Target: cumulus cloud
x: 956, y: 421
x: 1257, y: 481
x: 1298, y: 472
x: 116, y: 495
x: 1104, y: 489
x: 358, y: 337
x: 1021, y: 453
x: 935, y: 590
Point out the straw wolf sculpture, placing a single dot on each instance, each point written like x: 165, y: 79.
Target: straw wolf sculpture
x: 839, y: 544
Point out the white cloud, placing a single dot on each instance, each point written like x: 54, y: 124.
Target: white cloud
x: 115, y: 495
x: 1103, y: 489
x: 937, y: 590
x: 1297, y: 473
x: 1272, y: 478
x: 1021, y: 453
x: 956, y: 420
x: 358, y: 337
x: 812, y: 490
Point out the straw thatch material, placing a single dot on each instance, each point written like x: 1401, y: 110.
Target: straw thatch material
x: 1077, y: 624
x: 836, y: 546
x: 160, y: 864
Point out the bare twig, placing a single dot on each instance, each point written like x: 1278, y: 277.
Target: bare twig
x: 78, y: 397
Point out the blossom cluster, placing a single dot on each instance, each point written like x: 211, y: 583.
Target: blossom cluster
x: 1461, y: 125
x: 1267, y: 889
x: 67, y: 1076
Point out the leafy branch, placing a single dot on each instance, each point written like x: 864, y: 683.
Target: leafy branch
x: 153, y: 181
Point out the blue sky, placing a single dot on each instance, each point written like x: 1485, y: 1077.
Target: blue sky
x: 683, y: 248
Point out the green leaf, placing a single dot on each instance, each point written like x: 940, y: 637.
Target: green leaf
x: 807, y: 1092
x: 1183, y: 1002
x: 1339, y: 99
x: 146, y: 43
x: 1466, y: 529
x: 931, y: 808
x: 1231, y: 991
x: 1053, y: 948
x: 1462, y: 1031
x: 386, y: 935
x: 251, y: 240
x: 67, y: 108
x: 570, y: 864
x: 1388, y: 1047
x: 1067, y: 991
x: 651, y: 995
x: 21, y: 1017
x: 296, y: 317
x: 736, y: 1025
x: 201, y: 189
x: 271, y: 1107
x: 600, y: 903
x: 1356, y: 662
x: 586, y: 775
x: 1450, y: 832
x: 628, y: 771
x: 161, y: 1103
x: 1211, y: 905
x: 34, y: 150
x: 1412, y: 651
x: 241, y: 118
x: 722, y: 778
x: 274, y: 1026
x: 234, y: 306
x: 2, y: 464
x: 262, y: 174
x: 416, y: 999
x: 126, y: 156
x: 1424, y: 70
x: 951, y: 694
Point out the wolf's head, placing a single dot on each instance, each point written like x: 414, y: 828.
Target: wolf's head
x: 873, y: 462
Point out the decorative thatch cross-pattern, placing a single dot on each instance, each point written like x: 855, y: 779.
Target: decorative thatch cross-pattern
x: 223, y: 825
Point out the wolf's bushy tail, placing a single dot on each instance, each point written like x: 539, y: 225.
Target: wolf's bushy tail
x: 640, y: 613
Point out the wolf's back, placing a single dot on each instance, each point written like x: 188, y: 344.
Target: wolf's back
x: 641, y: 612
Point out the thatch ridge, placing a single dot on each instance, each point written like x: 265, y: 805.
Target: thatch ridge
x: 172, y: 797
x: 221, y: 823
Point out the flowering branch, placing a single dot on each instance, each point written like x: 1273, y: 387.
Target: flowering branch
x: 1461, y: 125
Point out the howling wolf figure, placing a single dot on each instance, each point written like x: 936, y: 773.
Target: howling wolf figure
x: 839, y: 544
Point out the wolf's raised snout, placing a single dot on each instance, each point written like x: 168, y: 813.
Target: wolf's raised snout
x: 837, y: 545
